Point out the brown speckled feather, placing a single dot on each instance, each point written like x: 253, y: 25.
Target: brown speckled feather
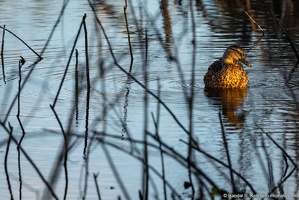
x: 228, y: 72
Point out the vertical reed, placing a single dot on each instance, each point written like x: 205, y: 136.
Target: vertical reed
x: 87, y: 86
x: 21, y: 62
x: 2, y: 52
x: 77, y: 88
x: 39, y: 56
x: 225, y: 144
x: 190, y: 99
x: 95, y: 176
x: 6, y: 159
x: 129, y: 37
x: 145, y: 177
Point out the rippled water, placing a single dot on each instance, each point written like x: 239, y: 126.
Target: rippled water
x: 253, y: 131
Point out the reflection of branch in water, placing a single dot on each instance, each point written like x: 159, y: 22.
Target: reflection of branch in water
x: 156, y: 121
x: 124, y: 124
x: 167, y: 25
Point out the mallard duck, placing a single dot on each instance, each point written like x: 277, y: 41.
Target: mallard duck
x: 228, y: 72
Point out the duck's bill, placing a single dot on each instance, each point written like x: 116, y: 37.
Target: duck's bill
x: 245, y: 62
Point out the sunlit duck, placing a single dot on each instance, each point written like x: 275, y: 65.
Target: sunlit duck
x: 227, y: 72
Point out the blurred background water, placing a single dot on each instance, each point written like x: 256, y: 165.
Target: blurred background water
x: 236, y: 127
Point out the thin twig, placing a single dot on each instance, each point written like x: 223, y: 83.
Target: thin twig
x: 156, y: 123
x: 255, y: 23
x: 21, y: 62
x: 223, y: 164
x: 286, y: 154
x: 2, y: 56
x: 115, y: 172
x: 88, y: 88
x: 190, y: 99
x: 9, y: 131
x: 263, y: 33
x: 38, y: 60
x: 145, y: 178
x: 227, y: 153
x: 67, y: 65
x: 269, y: 173
x: 95, y: 176
x: 86, y: 53
x: 129, y: 37
x: 5, y: 161
x: 141, y: 159
x: 132, y: 77
x: 170, y: 152
x: 65, y: 150
x: 40, y: 57
x: 77, y: 88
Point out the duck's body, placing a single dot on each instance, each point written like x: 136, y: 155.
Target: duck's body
x: 228, y: 72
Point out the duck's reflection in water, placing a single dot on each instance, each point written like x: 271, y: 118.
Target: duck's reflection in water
x: 231, y: 102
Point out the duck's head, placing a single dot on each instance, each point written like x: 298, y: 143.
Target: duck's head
x: 234, y: 54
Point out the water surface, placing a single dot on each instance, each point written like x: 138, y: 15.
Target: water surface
x: 253, y: 131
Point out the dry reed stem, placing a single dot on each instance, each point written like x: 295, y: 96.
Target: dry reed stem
x: 263, y: 33
x: 77, y: 88
x: 32, y: 67
x: 21, y: 62
x: 129, y: 37
x: 67, y: 65
x: 39, y: 56
x: 156, y: 121
x: 190, y: 100
x: 133, y: 78
x: 225, y: 144
x: 87, y: 87
x: 64, y: 152
x: 95, y: 176
x: 145, y: 177
x: 2, y: 57
x: 284, y: 153
x: 9, y: 130
x: 6, y: 159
